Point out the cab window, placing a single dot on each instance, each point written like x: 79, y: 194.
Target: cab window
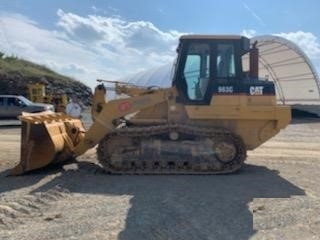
x: 196, y: 70
x: 225, y: 61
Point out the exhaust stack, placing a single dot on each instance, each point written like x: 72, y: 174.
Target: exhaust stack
x: 254, y: 61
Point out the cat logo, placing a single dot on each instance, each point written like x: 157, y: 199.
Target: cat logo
x: 256, y: 90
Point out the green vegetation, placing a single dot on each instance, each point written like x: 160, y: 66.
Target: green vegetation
x: 16, y: 74
x: 13, y: 65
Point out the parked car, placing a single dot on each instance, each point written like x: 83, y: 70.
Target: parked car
x: 12, y: 106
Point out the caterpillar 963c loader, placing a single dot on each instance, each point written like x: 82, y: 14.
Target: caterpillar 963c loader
x: 214, y: 112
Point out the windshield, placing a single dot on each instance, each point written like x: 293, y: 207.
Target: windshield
x: 25, y: 100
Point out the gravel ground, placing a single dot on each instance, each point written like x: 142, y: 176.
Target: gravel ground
x: 275, y: 196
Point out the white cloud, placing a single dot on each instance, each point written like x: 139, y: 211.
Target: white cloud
x: 117, y: 34
x: 249, y: 33
x: 307, y: 41
x: 78, y: 27
x: 88, y: 47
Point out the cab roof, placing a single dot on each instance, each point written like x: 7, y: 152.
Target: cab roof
x: 211, y: 37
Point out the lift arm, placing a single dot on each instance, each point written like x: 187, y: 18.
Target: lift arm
x: 106, y: 113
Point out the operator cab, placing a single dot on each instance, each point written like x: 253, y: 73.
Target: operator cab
x: 212, y: 65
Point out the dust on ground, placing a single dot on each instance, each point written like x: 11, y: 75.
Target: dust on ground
x: 275, y: 196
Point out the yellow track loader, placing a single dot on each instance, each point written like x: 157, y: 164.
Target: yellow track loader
x: 215, y: 111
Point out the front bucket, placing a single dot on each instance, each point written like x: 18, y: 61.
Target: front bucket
x: 47, y: 138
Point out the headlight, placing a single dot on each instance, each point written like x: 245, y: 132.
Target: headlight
x: 50, y: 108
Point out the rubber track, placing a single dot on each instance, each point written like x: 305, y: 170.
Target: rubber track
x: 205, y: 132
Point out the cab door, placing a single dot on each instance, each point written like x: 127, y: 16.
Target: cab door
x: 193, y: 74
x: 14, y: 107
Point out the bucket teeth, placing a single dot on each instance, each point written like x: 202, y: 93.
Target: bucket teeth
x: 43, y: 117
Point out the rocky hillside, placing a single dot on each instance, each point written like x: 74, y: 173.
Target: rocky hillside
x: 16, y: 74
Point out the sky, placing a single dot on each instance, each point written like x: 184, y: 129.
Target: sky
x: 111, y: 39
